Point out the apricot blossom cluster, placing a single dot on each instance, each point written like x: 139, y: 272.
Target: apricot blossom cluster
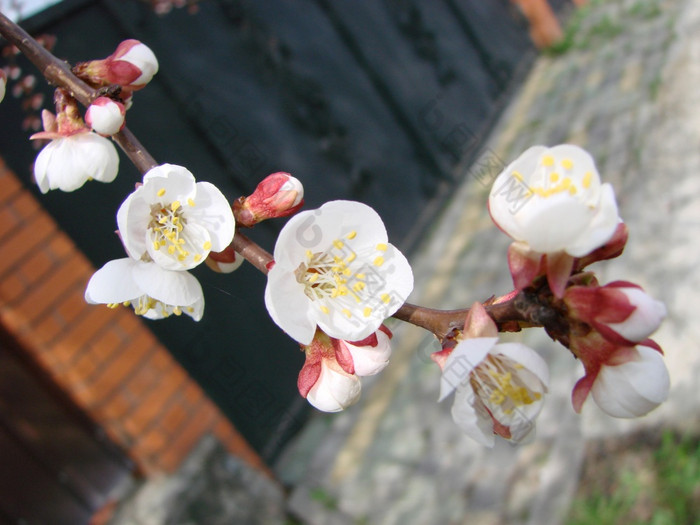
x: 334, y: 278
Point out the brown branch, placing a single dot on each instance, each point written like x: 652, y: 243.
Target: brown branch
x: 58, y: 73
x: 252, y: 252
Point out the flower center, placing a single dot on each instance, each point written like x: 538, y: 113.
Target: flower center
x: 500, y: 390
x: 168, y: 224
x: 331, y: 277
x: 554, y: 179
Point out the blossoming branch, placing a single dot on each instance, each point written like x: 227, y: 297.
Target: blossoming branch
x: 335, y: 277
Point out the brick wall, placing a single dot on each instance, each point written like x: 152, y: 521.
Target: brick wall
x: 106, y: 360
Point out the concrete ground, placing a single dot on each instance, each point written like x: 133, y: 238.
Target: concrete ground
x: 627, y: 90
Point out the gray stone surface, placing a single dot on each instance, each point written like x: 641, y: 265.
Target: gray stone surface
x: 627, y: 91
x: 211, y: 487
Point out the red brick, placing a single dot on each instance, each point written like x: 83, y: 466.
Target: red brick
x: 46, y: 331
x: 60, y: 246
x: 42, y: 298
x: 180, y: 445
x: 114, y: 408
x: 148, y: 443
x: 80, y: 332
x: 8, y: 220
x: 36, y: 266
x: 173, y: 419
x: 12, y: 288
x: 84, y: 365
x: 24, y: 206
x: 119, y: 370
x: 24, y: 240
x: 9, y: 184
x: 73, y: 306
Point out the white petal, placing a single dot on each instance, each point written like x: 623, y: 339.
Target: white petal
x: 172, y: 288
x: 334, y: 391
x: 133, y: 218
x: 634, y: 388
x: 465, y: 357
x: 178, y: 182
x: 41, y: 167
x: 315, y: 230
x: 96, y: 157
x: 550, y: 224
x: 528, y: 358
x: 644, y: 320
x: 288, y: 306
x: 143, y: 58
x: 506, y: 192
x: 601, y: 226
x: 469, y: 420
x: 113, y: 283
x: 213, y: 211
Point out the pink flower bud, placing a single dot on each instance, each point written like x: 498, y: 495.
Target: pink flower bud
x: 327, y: 379
x: 105, y: 116
x: 132, y: 65
x: 620, y: 311
x: 278, y: 195
x: 371, y: 355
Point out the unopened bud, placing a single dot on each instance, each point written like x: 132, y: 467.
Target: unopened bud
x: 105, y: 116
x: 278, y: 195
x: 132, y: 65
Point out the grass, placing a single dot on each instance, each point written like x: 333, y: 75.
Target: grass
x: 647, y: 479
x: 583, y: 31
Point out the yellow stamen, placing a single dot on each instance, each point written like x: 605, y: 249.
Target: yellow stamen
x: 351, y: 235
x: 548, y: 160
x: 190, y: 201
x: 382, y: 247
x: 207, y: 245
x: 567, y: 164
x: 367, y: 311
x: 175, y: 205
x: 347, y: 313
x: 161, y: 192
x: 587, y: 179
x: 378, y: 261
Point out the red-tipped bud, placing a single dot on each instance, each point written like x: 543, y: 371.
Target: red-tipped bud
x: 278, y: 195
x: 620, y: 311
x: 105, y: 116
x: 327, y: 379
x: 132, y: 65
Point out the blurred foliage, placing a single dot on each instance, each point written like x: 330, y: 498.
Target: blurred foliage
x: 651, y: 480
